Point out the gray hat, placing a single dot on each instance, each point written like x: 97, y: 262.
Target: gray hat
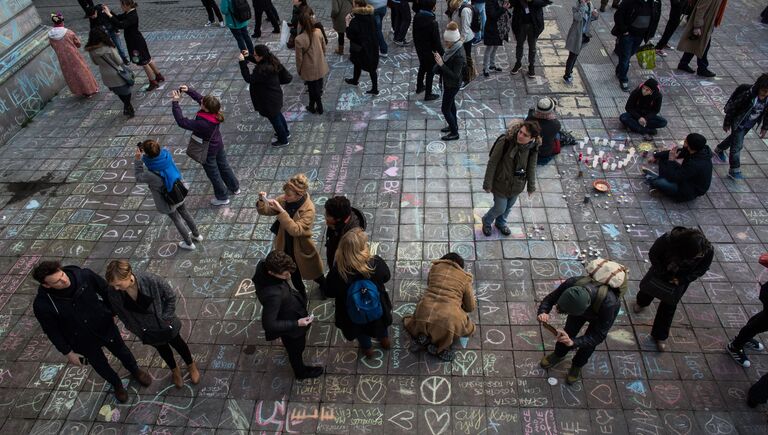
x: 546, y: 105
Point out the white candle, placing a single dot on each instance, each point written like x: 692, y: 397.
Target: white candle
x: 613, y: 166
x: 612, y: 144
x: 601, y: 153
x: 605, y: 141
x: 621, y: 164
x: 596, y: 139
x: 589, y: 151
x: 594, y: 163
x: 631, y: 150
x: 605, y: 166
x: 581, y: 145
x: 621, y: 147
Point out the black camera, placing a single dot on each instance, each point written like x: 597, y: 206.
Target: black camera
x: 520, y: 173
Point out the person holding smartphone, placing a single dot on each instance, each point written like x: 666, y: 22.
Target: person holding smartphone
x: 284, y: 314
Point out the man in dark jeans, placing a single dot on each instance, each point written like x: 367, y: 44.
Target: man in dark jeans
x: 73, y: 310
x: 401, y: 20
x: 264, y: 7
x: 634, y: 22
x: 527, y: 23
x: 86, y: 5
x: 675, y: 15
x: 757, y: 324
x: 686, y: 181
x: 284, y: 313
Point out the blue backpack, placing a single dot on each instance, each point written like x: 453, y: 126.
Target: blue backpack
x: 363, y: 302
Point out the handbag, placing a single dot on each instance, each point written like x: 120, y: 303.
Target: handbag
x: 661, y: 288
x: 284, y: 77
x: 646, y: 56
x: 177, y: 193
x: 127, y: 75
x: 197, y: 148
x: 291, y: 42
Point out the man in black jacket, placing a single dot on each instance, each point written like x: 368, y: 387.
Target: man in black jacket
x: 642, y: 109
x: 340, y: 217
x: 261, y: 7
x: 527, y: 23
x: 634, y: 22
x: 582, y: 305
x: 284, y: 312
x: 747, y: 108
x: 74, y: 312
x: 686, y: 181
x: 426, y: 39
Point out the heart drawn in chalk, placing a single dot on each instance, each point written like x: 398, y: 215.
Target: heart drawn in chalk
x: 679, y: 424
x: 371, y: 389
x: 668, y: 393
x: 438, y: 423
x: 392, y: 171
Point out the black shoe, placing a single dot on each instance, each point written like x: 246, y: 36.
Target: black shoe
x: 431, y: 97
x: 445, y: 130
x: 495, y: 68
x: 602, y: 8
x: 516, y: 69
x: 352, y: 82
x: 276, y: 30
x: 419, y: 90
x: 705, y: 73
x: 319, y: 108
x: 256, y: 35
x: 310, y: 372
x: 487, y: 230
x: 531, y: 72
x: 129, y: 111
x: 685, y: 68
x: 738, y: 355
x: 278, y: 144
x: 450, y: 136
x: 503, y: 229
x: 310, y: 109
x: 486, y: 73
x: 372, y: 92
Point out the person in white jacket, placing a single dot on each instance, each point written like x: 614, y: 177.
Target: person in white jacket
x: 461, y: 12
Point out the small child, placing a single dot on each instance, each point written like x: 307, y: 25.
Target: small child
x: 578, y: 35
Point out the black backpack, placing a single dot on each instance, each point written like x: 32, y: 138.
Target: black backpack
x: 475, y: 24
x: 240, y: 9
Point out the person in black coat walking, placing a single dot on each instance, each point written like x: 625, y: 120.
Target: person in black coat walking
x: 450, y: 66
x: 340, y: 217
x: 73, y: 309
x: 682, y: 182
x: 426, y: 39
x: 757, y: 324
x: 363, y: 45
x: 354, y: 262
x: 679, y: 257
x: 527, y: 23
x: 261, y: 7
x: 494, y: 35
x: 266, y: 91
x: 284, y: 314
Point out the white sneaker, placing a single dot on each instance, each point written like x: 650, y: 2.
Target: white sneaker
x: 237, y: 192
x: 221, y: 23
x: 199, y: 238
x: 208, y: 24
x: 188, y: 247
x: 218, y: 202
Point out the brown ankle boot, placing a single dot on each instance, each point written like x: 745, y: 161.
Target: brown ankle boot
x: 194, y: 374
x: 340, y: 50
x: 386, y: 343
x: 178, y: 381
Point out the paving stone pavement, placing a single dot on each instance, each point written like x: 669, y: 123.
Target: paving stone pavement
x: 68, y: 193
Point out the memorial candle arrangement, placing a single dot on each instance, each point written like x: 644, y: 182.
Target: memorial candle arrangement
x: 605, y: 154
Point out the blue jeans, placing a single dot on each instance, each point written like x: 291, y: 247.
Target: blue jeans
x: 378, y: 15
x: 665, y: 186
x: 448, y: 108
x: 221, y: 174
x: 651, y: 122
x: 118, y: 45
x: 243, y: 39
x: 480, y: 8
x: 365, y: 340
x: 281, y: 127
x: 502, y: 205
x: 626, y: 46
x: 734, y: 142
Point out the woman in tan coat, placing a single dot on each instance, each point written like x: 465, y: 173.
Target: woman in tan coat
x: 697, y: 36
x: 310, y: 61
x: 293, y: 230
x: 441, y: 314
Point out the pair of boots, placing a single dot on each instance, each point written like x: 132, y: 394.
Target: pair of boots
x: 154, y: 84
x: 374, y: 89
x: 128, y: 110
x: 121, y: 394
x: 315, y: 107
x: 194, y: 375
x: 551, y: 360
x: 340, y: 49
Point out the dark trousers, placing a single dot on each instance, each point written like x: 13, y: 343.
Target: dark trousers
x: 264, y: 7
x: 735, y: 143
x: 570, y: 63
x: 573, y: 325
x: 374, y: 77
x: 702, y: 63
x: 758, y: 393
x: 378, y: 16
x: 212, y: 8
x: 184, y: 223
x: 126, y: 99
x: 341, y: 39
x: 523, y: 33
x: 425, y: 71
x: 651, y: 122
x: 664, y: 314
x: 468, y: 52
x: 757, y: 324
x: 181, y: 347
x: 85, y: 4
x: 315, y: 89
x: 294, y: 346
x: 448, y: 107
x: 626, y: 46
x: 675, y: 14
x: 281, y: 127
x: 401, y: 19
x: 298, y: 283
x: 221, y: 174
x: 243, y: 39
x: 98, y: 360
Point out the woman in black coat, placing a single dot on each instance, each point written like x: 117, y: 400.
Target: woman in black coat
x: 265, y: 88
x: 679, y: 257
x: 426, y: 39
x: 493, y: 36
x: 364, y: 47
x: 354, y: 262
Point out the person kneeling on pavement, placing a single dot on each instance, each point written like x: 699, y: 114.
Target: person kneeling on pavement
x: 642, y: 109
x: 595, y: 298
x: 686, y: 181
x: 441, y: 316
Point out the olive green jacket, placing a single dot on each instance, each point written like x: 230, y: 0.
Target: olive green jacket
x: 500, y: 178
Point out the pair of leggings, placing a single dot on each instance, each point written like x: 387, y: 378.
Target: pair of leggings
x: 212, y: 8
x: 489, y: 58
x: 757, y: 324
x: 180, y: 214
x: 315, y: 90
x: 181, y: 347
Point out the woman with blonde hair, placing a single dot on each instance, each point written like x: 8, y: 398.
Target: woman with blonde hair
x: 356, y: 280
x: 146, y: 304
x: 293, y: 230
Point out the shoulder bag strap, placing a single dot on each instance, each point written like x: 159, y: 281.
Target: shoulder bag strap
x: 110, y: 63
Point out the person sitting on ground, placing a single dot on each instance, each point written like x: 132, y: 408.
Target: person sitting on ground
x: 441, y: 315
x: 544, y: 113
x: 642, y: 109
x: 686, y: 181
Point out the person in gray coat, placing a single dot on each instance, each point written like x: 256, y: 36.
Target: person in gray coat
x: 162, y: 174
x: 104, y: 54
x: 450, y: 66
x: 146, y: 305
x: 578, y: 35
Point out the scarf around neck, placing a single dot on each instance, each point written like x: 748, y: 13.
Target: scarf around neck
x: 451, y: 51
x: 163, y: 166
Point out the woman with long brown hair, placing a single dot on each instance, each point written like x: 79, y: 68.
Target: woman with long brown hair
x: 310, y: 60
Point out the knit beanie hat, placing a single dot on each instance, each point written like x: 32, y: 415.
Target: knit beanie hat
x: 652, y: 83
x: 451, y: 35
x: 696, y: 141
x: 545, y: 105
x: 574, y: 300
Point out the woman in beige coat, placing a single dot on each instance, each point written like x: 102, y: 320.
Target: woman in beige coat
x: 293, y: 230
x: 310, y: 61
x: 697, y: 36
x: 441, y: 314
x: 113, y: 73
